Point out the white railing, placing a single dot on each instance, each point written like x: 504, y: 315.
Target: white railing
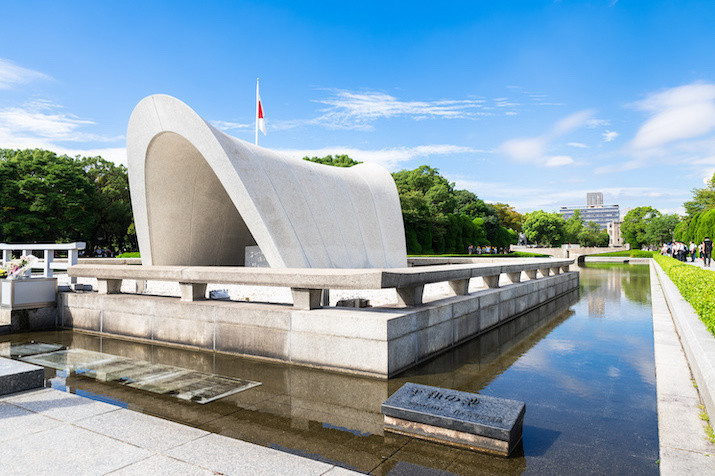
x: 47, y: 263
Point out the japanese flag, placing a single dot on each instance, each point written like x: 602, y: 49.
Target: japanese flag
x: 261, y: 121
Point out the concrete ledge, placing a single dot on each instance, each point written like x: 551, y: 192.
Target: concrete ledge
x: 697, y: 341
x: 19, y: 376
x: 378, y: 342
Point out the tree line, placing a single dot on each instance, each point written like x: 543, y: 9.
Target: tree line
x: 49, y: 198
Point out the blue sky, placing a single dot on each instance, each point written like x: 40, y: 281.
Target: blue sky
x: 532, y: 103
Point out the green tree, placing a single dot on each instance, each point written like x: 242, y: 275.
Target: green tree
x: 633, y: 228
x: 703, y: 199
x: 544, y: 228
x: 660, y: 229
x: 573, y: 227
x: 591, y: 234
x: 509, y: 217
x: 112, y: 210
x: 44, y: 197
x: 337, y: 161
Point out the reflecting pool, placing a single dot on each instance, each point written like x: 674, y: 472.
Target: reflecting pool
x: 582, y: 363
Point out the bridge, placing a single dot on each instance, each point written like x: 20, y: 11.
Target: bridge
x: 575, y: 252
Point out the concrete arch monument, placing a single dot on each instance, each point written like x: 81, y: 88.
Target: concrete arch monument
x: 200, y: 197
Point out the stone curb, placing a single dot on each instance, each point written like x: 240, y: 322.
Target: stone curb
x: 697, y: 341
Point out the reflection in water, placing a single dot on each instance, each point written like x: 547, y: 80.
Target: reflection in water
x: 587, y: 384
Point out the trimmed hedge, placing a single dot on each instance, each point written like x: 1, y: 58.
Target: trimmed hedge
x: 630, y: 253
x: 696, y: 285
x: 513, y: 254
x: 130, y: 254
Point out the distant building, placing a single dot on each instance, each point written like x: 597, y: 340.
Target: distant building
x: 594, y: 211
x: 594, y: 198
x: 614, y: 233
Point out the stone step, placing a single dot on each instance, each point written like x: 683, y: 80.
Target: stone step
x: 19, y: 376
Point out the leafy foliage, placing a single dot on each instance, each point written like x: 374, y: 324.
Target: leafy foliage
x: 544, y: 228
x: 439, y: 219
x: 46, y: 197
x: 591, y: 234
x: 572, y: 228
x: 630, y: 253
x: 703, y: 199
x: 633, y: 228
x: 337, y: 161
x: 696, y: 285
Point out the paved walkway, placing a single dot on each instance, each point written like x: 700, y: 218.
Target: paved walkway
x: 684, y: 448
x: 47, y: 431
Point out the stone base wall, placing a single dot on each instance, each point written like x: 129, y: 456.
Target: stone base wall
x: 379, y: 342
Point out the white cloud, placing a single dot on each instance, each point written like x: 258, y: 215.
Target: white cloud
x: 389, y: 158
x: 347, y: 109
x: 228, y: 125
x: 610, y: 136
x: 533, y: 149
x: 578, y: 145
x: 678, y: 113
x: 44, y: 125
x: 549, y: 198
x: 12, y: 74
x: 558, y: 161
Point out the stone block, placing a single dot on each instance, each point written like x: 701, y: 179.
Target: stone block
x: 465, y: 306
x: 340, y: 353
x: 433, y: 339
x: 507, y: 309
x: 306, y: 299
x: 18, y: 376
x: 410, y: 296
x: 253, y: 314
x: 466, y: 327
x: 488, y: 298
x: 488, y: 317
x: 81, y: 318
x: 478, y: 422
x: 250, y: 340
x: 183, y: 331
x: 125, y: 324
x: 459, y: 287
x: 402, y: 353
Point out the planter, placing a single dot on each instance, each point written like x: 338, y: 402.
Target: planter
x: 28, y: 293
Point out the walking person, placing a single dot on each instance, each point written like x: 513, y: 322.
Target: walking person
x: 693, y: 248
x: 707, y: 251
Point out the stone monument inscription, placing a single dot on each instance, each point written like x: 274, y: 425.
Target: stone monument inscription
x: 478, y: 422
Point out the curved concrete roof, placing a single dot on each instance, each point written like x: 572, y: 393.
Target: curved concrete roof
x: 201, y: 196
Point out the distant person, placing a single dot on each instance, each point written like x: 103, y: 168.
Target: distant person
x: 707, y: 251
x: 693, y: 249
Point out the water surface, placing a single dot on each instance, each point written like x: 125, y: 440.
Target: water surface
x: 583, y: 364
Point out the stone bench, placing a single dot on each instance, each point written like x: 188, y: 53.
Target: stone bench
x: 307, y: 283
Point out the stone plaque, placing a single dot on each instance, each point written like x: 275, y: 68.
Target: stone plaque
x: 477, y: 422
x: 18, y: 376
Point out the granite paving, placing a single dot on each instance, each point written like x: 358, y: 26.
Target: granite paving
x: 47, y: 431
x: 684, y: 447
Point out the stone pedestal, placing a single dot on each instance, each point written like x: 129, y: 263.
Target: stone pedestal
x: 467, y: 420
x: 18, y: 376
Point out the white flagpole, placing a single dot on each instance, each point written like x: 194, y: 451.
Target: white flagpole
x: 256, y: 111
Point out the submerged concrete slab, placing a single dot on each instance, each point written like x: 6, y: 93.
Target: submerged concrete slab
x: 19, y: 376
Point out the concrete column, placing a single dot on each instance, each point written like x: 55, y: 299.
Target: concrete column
x: 25, y: 252
x: 325, y: 298
x: 565, y: 269
x: 491, y: 281
x: 47, y: 264
x: 72, y: 258
x: 531, y: 273
x: 544, y: 272
x: 306, y: 299
x: 514, y: 277
x: 192, y: 291
x: 460, y: 287
x: 5, y: 256
x: 411, y: 296
x: 556, y: 270
x: 140, y: 286
x: 109, y: 286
